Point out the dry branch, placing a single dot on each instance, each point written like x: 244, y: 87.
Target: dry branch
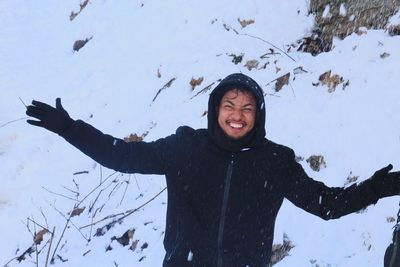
x: 9, y: 122
x: 167, y: 85
x: 73, y: 15
x: 205, y: 89
x: 124, y: 214
x: 94, y: 189
x: 35, y: 223
x: 271, y: 44
x: 58, y: 194
x: 51, y: 241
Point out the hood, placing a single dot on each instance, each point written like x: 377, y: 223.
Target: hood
x: 257, y: 134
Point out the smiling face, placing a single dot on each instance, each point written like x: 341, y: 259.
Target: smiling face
x: 237, y: 113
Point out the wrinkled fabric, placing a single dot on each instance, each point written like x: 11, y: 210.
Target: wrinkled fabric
x: 196, y: 164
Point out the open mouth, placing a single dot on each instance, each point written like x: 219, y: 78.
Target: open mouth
x: 236, y: 125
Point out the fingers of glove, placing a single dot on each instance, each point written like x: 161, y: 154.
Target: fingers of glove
x: 58, y: 104
x: 35, y: 112
x: 384, y: 171
x: 36, y: 123
x: 42, y: 105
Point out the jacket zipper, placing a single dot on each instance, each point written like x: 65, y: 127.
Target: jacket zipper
x: 223, y: 212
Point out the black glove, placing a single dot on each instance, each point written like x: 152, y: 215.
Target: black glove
x: 386, y: 183
x: 53, y: 119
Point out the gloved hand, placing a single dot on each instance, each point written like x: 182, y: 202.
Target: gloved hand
x: 386, y: 183
x: 55, y: 119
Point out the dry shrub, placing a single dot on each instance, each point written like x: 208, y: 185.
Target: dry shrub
x: 246, y: 22
x: 252, y: 64
x: 372, y: 14
x: 330, y: 80
x: 196, y: 82
x: 280, y: 251
x: 281, y: 81
x: 317, y: 162
x: 133, y: 138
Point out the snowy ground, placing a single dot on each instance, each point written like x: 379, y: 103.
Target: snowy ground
x: 137, y: 48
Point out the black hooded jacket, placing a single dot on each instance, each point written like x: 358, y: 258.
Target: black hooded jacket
x: 223, y: 194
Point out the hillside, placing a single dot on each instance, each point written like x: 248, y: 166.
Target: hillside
x: 132, y: 77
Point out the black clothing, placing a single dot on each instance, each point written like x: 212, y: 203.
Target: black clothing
x: 55, y: 119
x: 201, y: 177
x: 223, y: 194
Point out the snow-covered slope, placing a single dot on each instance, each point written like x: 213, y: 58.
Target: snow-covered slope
x: 138, y: 47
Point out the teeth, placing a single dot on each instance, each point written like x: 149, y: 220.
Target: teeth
x: 236, y: 125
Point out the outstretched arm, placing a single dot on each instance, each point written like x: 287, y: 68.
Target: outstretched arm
x: 111, y: 152
x: 334, y: 202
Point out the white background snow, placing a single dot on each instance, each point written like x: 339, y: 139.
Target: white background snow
x: 111, y: 82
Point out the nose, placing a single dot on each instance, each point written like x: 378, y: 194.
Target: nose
x: 236, y: 114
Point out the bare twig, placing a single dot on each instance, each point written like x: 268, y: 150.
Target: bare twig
x: 22, y: 102
x: 68, y: 219
x: 95, y: 200
x: 271, y: 44
x: 21, y: 257
x: 205, y: 89
x: 268, y: 94
x: 59, y: 240
x: 114, y: 188
x: 269, y: 54
x: 126, y: 188
x: 167, y: 85
x: 35, y: 223
x: 105, y: 218
x: 87, y: 252
x: 51, y: 241
x: 5, y: 124
x: 274, y: 80
x: 94, y: 189
x: 126, y: 213
x: 76, y: 185
x: 81, y: 172
x: 137, y: 184
x: 61, y: 195
x: 36, y: 247
x: 292, y: 90
x: 45, y: 245
x: 91, y: 227
x: 8, y: 262
x: 45, y: 218
x: 101, y: 191
x: 72, y: 191
x: 27, y: 227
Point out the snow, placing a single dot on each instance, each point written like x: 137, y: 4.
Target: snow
x: 111, y: 82
x: 395, y: 19
x: 342, y: 10
x: 326, y: 12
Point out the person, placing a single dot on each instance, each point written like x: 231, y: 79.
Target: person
x: 225, y: 183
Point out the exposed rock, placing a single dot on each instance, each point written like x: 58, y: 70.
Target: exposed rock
x: 340, y: 18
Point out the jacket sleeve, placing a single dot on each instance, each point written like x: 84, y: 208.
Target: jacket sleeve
x: 115, y: 153
x: 321, y: 200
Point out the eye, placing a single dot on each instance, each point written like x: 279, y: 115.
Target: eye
x: 248, y: 110
x: 228, y: 107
